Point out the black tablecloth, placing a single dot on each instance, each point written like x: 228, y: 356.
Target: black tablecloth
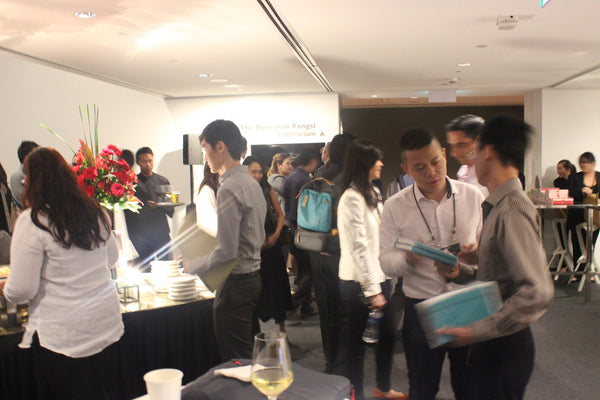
x: 307, y: 385
x: 179, y: 337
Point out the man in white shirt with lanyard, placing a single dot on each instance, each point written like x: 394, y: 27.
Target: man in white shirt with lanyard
x: 440, y: 212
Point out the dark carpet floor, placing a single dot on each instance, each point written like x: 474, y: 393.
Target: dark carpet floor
x: 567, y: 351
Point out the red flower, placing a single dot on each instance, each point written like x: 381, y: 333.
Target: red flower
x: 115, y: 149
x: 89, y: 190
x: 75, y: 168
x: 117, y: 189
x: 81, y: 180
x: 89, y: 173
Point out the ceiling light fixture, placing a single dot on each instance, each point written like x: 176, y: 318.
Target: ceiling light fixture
x: 296, y: 44
x: 205, y: 75
x: 218, y: 80
x: 481, y: 46
x: 374, y: 96
x: 85, y: 14
x: 233, y: 85
x: 460, y: 65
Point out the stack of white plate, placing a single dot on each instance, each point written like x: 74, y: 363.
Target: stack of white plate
x: 182, y: 288
x: 162, y: 272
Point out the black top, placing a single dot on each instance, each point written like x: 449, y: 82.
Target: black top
x: 562, y: 183
x: 577, y: 185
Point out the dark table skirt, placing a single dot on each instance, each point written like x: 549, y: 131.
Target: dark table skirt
x: 179, y: 337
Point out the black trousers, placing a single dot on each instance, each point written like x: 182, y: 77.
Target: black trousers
x: 425, y: 364
x: 65, y: 378
x: 502, y: 367
x: 304, y: 281
x: 327, y: 292
x: 236, y: 315
x: 355, y: 311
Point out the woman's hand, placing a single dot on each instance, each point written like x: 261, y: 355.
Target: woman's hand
x: 271, y: 241
x: 586, y: 190
x: 468, y: 254
x: 2, y: 284
x: 378, y: 301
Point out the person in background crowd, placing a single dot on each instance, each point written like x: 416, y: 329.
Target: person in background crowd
x: 400, y: 182
x: 7, y: 216
x: 275, y: 296
x: 127, y: 155
x: 241, y: 212
x: 441, y: 212
x: 363, y: 285
x: 325, y: 159
x: 565, y: 171
x: 206, y: 202
x: 307, y: 161
x: 325, y: 269
x: 281, y: 167
x: 461, y: 135
x: 62, y: 251
x: 18, y: 177
x: 149, y: 230
x: 510, y: 252
x: 584, y: 188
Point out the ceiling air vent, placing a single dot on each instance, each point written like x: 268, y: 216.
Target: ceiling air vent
x: 506, y: 22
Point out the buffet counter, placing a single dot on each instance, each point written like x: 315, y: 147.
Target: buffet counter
x: 159, y: 333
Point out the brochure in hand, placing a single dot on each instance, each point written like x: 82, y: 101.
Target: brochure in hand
x: 457, y: 308
x: 425, y: 251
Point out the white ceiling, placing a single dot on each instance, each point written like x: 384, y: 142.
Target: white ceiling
x: 388, y: 48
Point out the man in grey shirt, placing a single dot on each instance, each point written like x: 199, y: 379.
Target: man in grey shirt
x: 511, y: 253
x: 241, y: 212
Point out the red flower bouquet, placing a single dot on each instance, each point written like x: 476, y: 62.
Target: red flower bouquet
x: 106, y: 178
x: 101, y: 173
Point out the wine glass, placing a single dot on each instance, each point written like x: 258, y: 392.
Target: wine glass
x: 271, y: 364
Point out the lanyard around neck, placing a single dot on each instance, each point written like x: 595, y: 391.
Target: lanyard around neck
x: 425, y: 219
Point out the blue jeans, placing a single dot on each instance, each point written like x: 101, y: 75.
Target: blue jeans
x: 501, y: 367
x: 425, y: 364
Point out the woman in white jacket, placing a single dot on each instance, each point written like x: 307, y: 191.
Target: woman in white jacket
x: 363, y: 286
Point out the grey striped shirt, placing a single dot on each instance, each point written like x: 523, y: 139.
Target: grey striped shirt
x: 511, y: 253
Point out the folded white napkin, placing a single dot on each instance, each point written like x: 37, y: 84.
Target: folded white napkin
x: 242, y: 373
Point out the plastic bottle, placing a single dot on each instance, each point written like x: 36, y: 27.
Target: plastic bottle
x: 371, y: 333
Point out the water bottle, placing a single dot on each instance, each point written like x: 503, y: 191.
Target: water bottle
x: 371, y: 333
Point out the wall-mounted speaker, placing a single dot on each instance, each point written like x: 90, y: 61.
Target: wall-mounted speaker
x: 192, y: 150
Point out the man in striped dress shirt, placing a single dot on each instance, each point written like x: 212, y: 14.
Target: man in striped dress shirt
x: 511, y: 253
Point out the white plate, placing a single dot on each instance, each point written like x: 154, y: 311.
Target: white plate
x: 182, y: 298
x: 186, y: 292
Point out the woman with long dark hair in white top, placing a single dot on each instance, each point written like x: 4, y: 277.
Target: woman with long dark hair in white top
x: 363, y: 285
x: 61, y: 254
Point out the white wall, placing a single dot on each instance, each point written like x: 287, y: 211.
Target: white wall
x: 569, y: 126
x: 32, y: 93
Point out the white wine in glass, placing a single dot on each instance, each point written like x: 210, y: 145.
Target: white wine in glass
x: 271, y: 364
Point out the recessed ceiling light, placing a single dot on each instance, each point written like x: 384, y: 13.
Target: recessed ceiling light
x: 205, y: 75
x: 232, y: 85
x: 218, y: 80
x: 481, y: 46
x: 374, y: 96
x: 460, y: 65
x: 85, y: 14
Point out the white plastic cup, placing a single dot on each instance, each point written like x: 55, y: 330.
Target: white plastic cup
x: 164, y: 384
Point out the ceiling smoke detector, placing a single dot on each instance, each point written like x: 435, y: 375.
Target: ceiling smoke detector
x: 506, y: 22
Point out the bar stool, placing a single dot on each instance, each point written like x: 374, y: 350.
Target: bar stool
x: 562, y: 251
x: 581, y: 231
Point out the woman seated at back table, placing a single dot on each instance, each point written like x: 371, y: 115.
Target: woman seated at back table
x: 61, y: 252
x: 584, y: 188
x: 565, y: 171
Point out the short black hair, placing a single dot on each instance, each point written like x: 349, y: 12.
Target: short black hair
x: 26, y: 147
x: 142, y: 151
x: 127, y: 155
x: 509, y: 136
x: 415, y: 139
x: 470, y: 124
x: 306, y: 155
x: 338, y: 147
x: 587, y: 156
x: 225, y: 131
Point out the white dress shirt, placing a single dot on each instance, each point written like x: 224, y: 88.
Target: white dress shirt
x: 73, y: 302
x: 206, y: 210
x: 358, y: 226
x: 401, y: 218
x: 467, y: 174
